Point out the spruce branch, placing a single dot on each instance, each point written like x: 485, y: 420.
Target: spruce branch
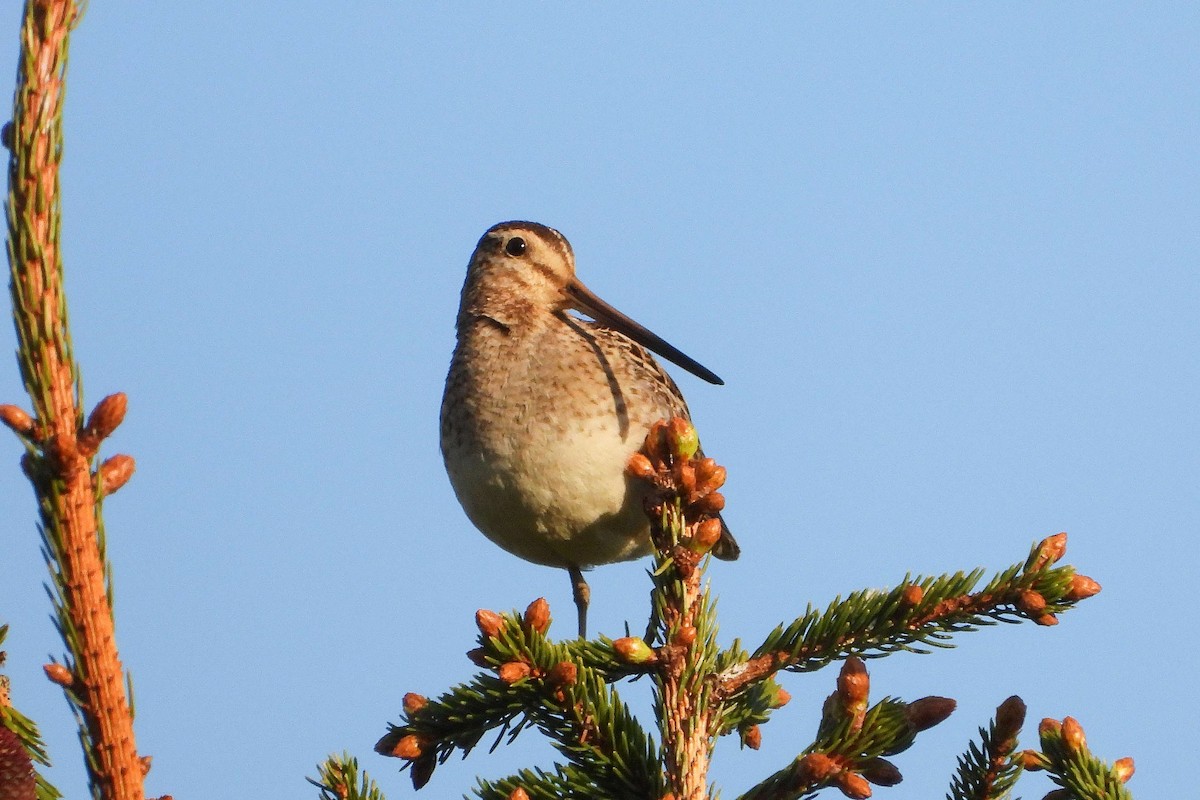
x: 685, y: 525
x: 60, y: 447
x: 919, y: 612
x: 539, y: 683
x: 1069, y: 762
x: 534, y: 784
x: 339, y: 778
x: 752, y: 708
x: 852, y: 741
x: 988, y: 771
x: 567, y: 690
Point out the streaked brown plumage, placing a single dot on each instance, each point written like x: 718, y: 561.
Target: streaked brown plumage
x: 542, y: 409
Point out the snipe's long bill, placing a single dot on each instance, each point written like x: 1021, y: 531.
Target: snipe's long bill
x: 543, y: 408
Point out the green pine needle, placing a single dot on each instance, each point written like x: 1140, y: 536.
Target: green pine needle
x: 606, y: 749
x: 985, y: 771
x: 339, y: 778
x: 1079, y: 771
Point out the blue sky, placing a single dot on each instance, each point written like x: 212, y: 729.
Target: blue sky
x: 944, y: 256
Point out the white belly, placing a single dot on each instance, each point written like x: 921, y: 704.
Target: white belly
x: 551, y: 495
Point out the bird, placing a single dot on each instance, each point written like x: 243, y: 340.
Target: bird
x: 550, y: 391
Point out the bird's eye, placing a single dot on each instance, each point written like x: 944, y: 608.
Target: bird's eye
x: 515, y: 246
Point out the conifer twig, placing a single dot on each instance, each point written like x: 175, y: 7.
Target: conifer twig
x: 21, y: 748
x: 339, y: 778
x: 988, y: 771
x: 535, y: 682
x: 60, y: 447
x: 852, y: 741
x: 684, y: 526
x: 919, y: 611
x: 1069, y: 762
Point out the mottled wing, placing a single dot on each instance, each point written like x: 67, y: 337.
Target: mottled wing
x: 650, y: 387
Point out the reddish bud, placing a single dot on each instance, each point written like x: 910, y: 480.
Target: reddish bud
x: 104, y: 419
x: 489, y: 622
x: 913, y: 595
x: 1049, y: 551
x: 1072, y: 734
x: 715, y: 478
x: 114, y: 473
x: 410, y: 747
x: 414, y: 702
x: 682, y: 438
x: 1030, y: 603
x: 816, y: 768
x: 715, y: 481
x: 853, y: 785
x: 782, y: 698
x: 707, y: 471
x: 17, y: 419
x: 1082, y: 587
x: 564, y: 673
x: 513, y: 671
x: 58, y: 673
x: 518, y: 794
x: 537, y: 616
x: 752, y: 737
x: 478, y: 657
x: 1031, y: 760
x: 684, y: 636
x: 708, y: 533
x: 709, y: 504
x: 685, y: 477
x: 633, y: 650
x: 1046, y: 620
x: 854, y: 684
x: 926, y: 712
x: 1049, y: 726
x: 853, y: 688
x: 881, y: 772
x: 638, y: 466
x: 1123, y: 769
x: 1010, y: 716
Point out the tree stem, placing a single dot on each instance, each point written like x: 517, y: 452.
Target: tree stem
x: 58, y: 466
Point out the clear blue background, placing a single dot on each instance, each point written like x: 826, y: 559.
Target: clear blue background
x: 945, y: 257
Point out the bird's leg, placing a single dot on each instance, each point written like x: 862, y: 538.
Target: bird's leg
x: 582, y: 594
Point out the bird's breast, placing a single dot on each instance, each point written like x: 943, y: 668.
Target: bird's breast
x: 536, y: 431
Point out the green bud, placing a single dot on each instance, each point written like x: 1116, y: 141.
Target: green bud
x: 682, y: 438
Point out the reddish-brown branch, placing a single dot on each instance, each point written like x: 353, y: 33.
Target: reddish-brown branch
x: 62, y: 476
x: 684, y: 526
x: 767, y: 664
x: 687, y: 734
